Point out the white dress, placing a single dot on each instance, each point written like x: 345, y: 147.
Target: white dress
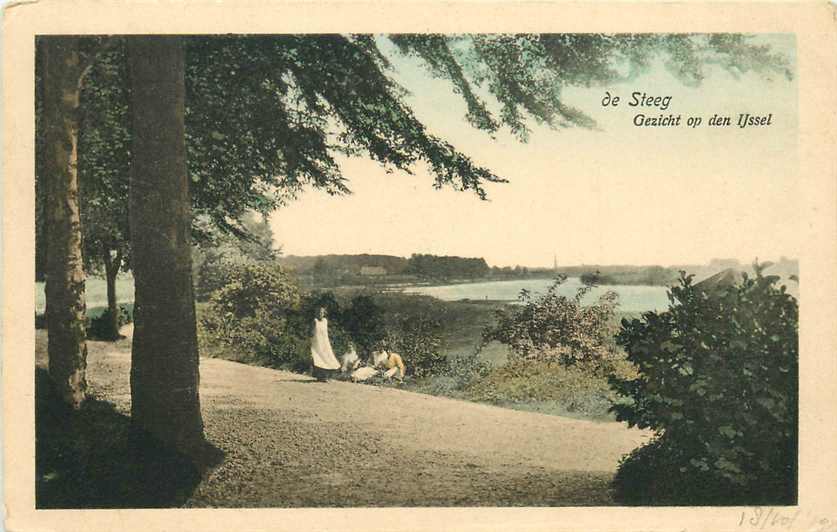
x: 321, y: 348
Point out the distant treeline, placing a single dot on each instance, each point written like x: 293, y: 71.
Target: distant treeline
x: 366, y: 268
x: 447, y: 267
x: 424, y: 266
x: 342, y: 264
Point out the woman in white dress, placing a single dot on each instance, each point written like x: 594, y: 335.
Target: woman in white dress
x: 325, y: 363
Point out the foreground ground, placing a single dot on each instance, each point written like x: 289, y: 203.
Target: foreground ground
x: 289, y: 441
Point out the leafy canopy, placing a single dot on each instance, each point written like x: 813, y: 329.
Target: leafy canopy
x: 268, y: 116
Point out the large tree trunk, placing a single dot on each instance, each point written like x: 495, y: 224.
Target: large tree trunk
x: 65, y: 307
x: 164, y: 361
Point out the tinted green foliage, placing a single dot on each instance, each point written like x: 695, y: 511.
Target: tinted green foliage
x: 446, y: 267
x: 254, y: 315
x: 526, y: 73
x: 267, y: 115
x: 718, y: 381
x: 220, y: 253
x: 99, y: 327
x: 553, y: 327
x: 548, y: 387
x: 363, y: 320
x: 417, y: 339
x: 340, y: 264
x: 104, y: 161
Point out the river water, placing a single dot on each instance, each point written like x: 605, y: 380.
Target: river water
x: 632, y: 298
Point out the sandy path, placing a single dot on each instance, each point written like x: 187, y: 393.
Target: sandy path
x: 290, y: 441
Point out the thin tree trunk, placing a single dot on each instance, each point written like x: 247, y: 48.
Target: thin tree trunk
x: 164, y: 361
x: 65, y: 306
x: 112, y: 265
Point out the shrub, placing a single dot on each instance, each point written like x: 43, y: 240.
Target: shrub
x: 417, y: 339
x: 718, y: 381
x: 99, y: 328
x: 465, y: 369
x: 363, y: 321
x: 211, y: 274
x: 253, y: 314
x: 553, y: 327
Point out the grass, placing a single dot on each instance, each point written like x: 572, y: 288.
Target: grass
x: 549, y: 388
x: 462, y: 321
x: 95, y: 292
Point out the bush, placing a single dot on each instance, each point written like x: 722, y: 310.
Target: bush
x: 556, y: 328
x: 363, y: 321
x: 212, y: 273
x: 418, y: 340
x: 253, y: 314
x: 718, y: 381
x: 99, y: 328
x: 465, y: 370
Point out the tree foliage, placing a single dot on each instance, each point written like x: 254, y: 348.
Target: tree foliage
x: 219, y: 253
x: 267, y: 116
x: 556, y: 328
x: 445, y: 267
x: 718, y: 381
x: 418, y: 340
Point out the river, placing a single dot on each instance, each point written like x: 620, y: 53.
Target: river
x: 632, y: 298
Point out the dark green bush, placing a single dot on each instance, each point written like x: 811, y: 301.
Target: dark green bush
x: 417, y: 339
x: 718, y: 382
x: 99, y: 328
x: 363, y: 320
x: 253, y: 314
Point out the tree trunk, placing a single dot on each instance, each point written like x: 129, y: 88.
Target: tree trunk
x: 65, y: 306
x: 112, y: 266
x: 164, y: 359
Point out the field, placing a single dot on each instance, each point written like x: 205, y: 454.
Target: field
x: 95, y: 292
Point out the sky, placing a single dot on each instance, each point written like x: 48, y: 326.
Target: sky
x: 620, y: 194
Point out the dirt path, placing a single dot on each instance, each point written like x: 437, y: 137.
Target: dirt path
x: 290, y: 441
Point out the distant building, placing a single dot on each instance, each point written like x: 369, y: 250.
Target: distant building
x: 373, y: 270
